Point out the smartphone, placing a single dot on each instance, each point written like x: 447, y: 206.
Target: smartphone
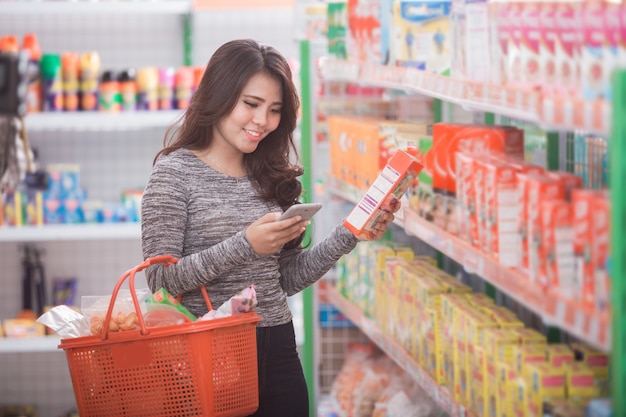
x: 304, y: 210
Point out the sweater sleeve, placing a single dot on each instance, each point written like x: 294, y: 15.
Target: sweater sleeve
x: 163, y: 223
x: 300, y: 269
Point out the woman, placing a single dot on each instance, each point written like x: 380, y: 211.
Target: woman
x: 212, y: 200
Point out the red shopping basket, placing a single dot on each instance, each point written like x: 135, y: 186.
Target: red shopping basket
x: 204, y: 368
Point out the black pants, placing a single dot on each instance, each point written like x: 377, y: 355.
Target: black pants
x: 282, y: 387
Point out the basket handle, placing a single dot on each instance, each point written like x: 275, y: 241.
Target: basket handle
x: 167, y: 260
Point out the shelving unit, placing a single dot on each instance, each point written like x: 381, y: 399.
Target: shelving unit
x: 74, y: 232
x: 598, y: 330
x: 438, y: 393
x: 100, y: 122
x: 30, y: 345
x: 66, y: 7
x: 528, y: 105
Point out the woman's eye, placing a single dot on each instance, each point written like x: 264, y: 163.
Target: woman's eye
x: 250, y: 104
x: 277, y: 111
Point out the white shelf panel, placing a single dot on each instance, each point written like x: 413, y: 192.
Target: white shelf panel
x: 98, y: 121
x: 30, y: 344
x: 98, y: 231
x: 530, y: 105
x: 93, y: 7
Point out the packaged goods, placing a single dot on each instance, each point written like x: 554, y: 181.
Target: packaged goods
x: 392, y: 182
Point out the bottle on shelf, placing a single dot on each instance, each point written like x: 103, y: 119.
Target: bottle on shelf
x: 70, y: 72
x: 52, y: 92
x: 30, y: 44
x: 108, y: 92
x: 148, y: 85
x: 89, y: 65
x: 128, y: 89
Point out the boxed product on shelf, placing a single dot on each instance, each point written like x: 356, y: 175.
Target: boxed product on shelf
x: 392, y: 183
x: 543, y: 381
x: 557, y: 249
x: 363, y: 41
x: 421, y: 35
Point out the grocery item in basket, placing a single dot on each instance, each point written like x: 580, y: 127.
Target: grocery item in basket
x: 163, y: 300
x: 123, y: 316
x: 65, y: 321
x: 242, y: 302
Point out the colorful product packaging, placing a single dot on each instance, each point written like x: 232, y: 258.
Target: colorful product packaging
x: 392, y: 182
x: 557, y: 250
x: 421, y: 35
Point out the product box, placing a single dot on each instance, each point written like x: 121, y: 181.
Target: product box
x: 528, y: 336
x: 579, y: 381
x: 452, y: 309
x: 432, y: 346
x: 527, y: 354
x: 501, y: 216
x: 421, y: 35
x: 503, y: 316
x: 363, y: 42
x: 600, y: 239
x: 558, y: 269
x: 570, y: 181
x: 504, y: 390
x: 540, y: 188
x: 514, y: 59
x: 476, y: 324
x: 595, y: 72
x: 530, y: 43
x: 547, y: 44
x: 337, y: 21
x: 478, y: 382
x: 567, y: 48
x: 499, y: 39
x: 544, y: 381
x: 582, y: 200
x: 599, y: 364
x: 392, y: 182
x: 559, y: 354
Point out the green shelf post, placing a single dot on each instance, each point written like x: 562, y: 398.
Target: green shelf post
x: 187, y: 39
x: 617, y: 174
x: 552, y: 147
x: 490, y: 289
x: 308, y: 300
x: 552, y: 164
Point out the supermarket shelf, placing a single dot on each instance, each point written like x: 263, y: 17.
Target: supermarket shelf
x: 99, y: 121
x: 523, y: 104
x: 30, y: 344
x: 395, y: 352
x: 92, y: 7
x: 589, y: 326
x: 555, y: 310
x: 98, y: 231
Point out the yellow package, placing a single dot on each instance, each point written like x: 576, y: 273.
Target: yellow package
x: 478, y: 382
x: 504, y: 316
x: 558, y: 354
x: 580, y: 381
x: 452, y: 309
x: 500, y: 343
x: 529, y: 336
x: 432, y: 353
x: 476, y: 324
x: 544, y: 381
x: 528, y: 354
x: 598, y: 362
x: 502, y: 395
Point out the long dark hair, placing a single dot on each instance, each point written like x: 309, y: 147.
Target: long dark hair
x: 273, y: 165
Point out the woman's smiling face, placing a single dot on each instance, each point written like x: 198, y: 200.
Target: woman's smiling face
x: 256, y: 114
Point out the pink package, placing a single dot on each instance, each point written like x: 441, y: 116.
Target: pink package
x: 243, y: 302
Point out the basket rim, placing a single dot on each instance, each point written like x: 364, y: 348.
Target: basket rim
x: 162, y: 331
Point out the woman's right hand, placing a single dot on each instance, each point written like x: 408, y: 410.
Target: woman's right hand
x: 267, y: 236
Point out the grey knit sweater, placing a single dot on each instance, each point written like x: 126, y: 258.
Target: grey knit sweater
x: 199, y: 215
